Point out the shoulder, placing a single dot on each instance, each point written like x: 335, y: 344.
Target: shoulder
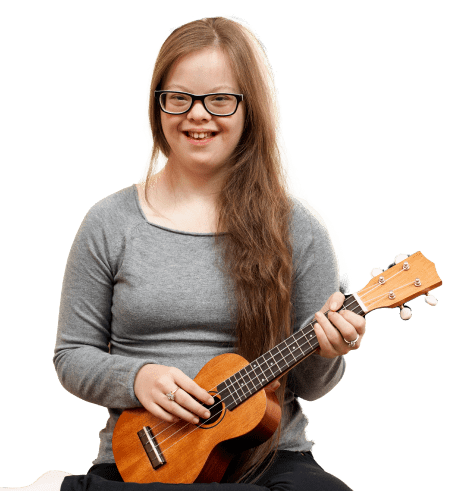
x: 314, y: 257
x: 104, y: 232
x: 307, y: 225
x: 111, y: 220
x: 115, y: 206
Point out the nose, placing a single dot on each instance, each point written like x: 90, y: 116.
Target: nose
x: 198, y: 112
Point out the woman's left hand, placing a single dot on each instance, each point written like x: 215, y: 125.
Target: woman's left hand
x: 333, y: 331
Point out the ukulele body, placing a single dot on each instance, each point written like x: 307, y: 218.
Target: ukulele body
x: 196, y: 453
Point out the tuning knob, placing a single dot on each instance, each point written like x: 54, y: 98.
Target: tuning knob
x: 429, y: 299
x: 401, y: 257
x: 405, y: 312
x: 376, y: 272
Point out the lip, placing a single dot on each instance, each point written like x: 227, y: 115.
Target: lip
x: 199, y: 130
x: 196, y: 141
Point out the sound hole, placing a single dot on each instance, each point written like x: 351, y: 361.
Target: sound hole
x: 215, y: 409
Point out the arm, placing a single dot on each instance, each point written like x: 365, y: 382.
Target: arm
x: 315, y: 280
x: 82, y: 359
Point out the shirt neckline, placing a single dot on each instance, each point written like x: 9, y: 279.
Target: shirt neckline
x: 162, y: 227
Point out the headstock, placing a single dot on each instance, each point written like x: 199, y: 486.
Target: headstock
x: 410, y: 277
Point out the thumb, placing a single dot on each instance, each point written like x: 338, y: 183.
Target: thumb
x: 274, y: 385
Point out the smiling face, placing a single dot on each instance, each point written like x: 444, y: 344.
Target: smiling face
x: 203, y: 72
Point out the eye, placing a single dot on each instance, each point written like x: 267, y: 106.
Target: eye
x: 179, y: 98
x: 220, y: 99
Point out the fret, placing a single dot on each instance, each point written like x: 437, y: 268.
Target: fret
x: 247, y: 387
x: 266, y: 367
x: 244, y: 384
x: 302, y: 340
x: 260, y: 377
x: 241, y: 394
x: 277, y: 356
x: 309, y: 338
x: 271, y: 364
x: 282, y: 363
x: 286, y: 353
x: 257, y: 372
x: 253, y: 381
x: 293, y: 350
x: 248, y: 375
x: 353, y: 305
x: 229, y: 400
x: 251, y: 378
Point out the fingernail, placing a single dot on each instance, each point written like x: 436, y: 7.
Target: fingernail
x: 195, y: 421
x: 333, y: 306
x: 207, y: 414
x: 211, y: 401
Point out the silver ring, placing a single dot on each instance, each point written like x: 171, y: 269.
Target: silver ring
x: 352, y: 343
x: 171, y: 395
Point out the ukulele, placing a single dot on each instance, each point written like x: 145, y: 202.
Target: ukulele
x: 245, y: 414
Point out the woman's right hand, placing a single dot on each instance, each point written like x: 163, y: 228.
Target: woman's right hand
x: 153, y: 382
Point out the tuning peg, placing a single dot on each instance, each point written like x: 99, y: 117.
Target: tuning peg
x: 376, y: 272
x: 405, y: 312
x: 430, y: 299
x: 401, y: 257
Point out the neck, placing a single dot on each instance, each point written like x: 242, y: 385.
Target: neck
x: 275, y: 362
x: 188, y: 185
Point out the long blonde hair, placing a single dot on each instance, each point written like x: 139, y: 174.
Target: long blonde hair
x: 254, y: 206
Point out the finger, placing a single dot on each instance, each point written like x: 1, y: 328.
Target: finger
x: 332, y: 334
x: 174, y: 408
x: 160, y: 413
x: 273, y: 386
x: 191, y: 387
x: 336, y: 301
x: 358, y: 323
x: 347, y: 330
x: 190, y: 404
x: 326, y: 348
x: 184, y: 397
x: 356, y: 320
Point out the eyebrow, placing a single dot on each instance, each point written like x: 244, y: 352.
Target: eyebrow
x: 214, y: 89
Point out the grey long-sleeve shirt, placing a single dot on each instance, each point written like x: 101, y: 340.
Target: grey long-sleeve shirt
x: 158, y: 296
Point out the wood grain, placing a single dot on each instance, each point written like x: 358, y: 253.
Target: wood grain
x: 192, y: 453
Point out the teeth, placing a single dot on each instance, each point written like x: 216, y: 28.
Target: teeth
x: 199, y: 135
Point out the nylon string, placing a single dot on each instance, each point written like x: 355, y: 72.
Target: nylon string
x: 227, y: 407
x: 306, y: 340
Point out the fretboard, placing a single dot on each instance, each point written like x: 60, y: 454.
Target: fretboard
x: 269, y: 366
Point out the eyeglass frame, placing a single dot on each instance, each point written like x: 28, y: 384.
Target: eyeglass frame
x: 239, y: 98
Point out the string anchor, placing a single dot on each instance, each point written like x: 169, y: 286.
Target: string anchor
x: 376, y: 272
x: 405, y: 312
x: 406, y: 266
x: 381, y: 280
x: 392, y: 295
x: 430, y: 299
x: 417, y: 282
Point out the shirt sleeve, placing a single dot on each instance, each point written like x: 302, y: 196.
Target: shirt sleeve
x: 316, y: 278
x: 82, y: 360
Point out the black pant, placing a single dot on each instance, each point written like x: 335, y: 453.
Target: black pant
x: 290, y: 471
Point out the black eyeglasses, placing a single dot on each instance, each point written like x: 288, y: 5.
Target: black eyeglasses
x: 219, y: 104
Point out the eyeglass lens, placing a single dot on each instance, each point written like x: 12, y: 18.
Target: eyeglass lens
x: 176, y: 103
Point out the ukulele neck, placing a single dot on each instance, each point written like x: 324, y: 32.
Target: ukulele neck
x: 275, y: 362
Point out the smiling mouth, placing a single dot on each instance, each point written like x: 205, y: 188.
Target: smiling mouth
x: 200, y: 136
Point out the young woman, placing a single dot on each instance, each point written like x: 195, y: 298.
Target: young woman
x: 211, y: 255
